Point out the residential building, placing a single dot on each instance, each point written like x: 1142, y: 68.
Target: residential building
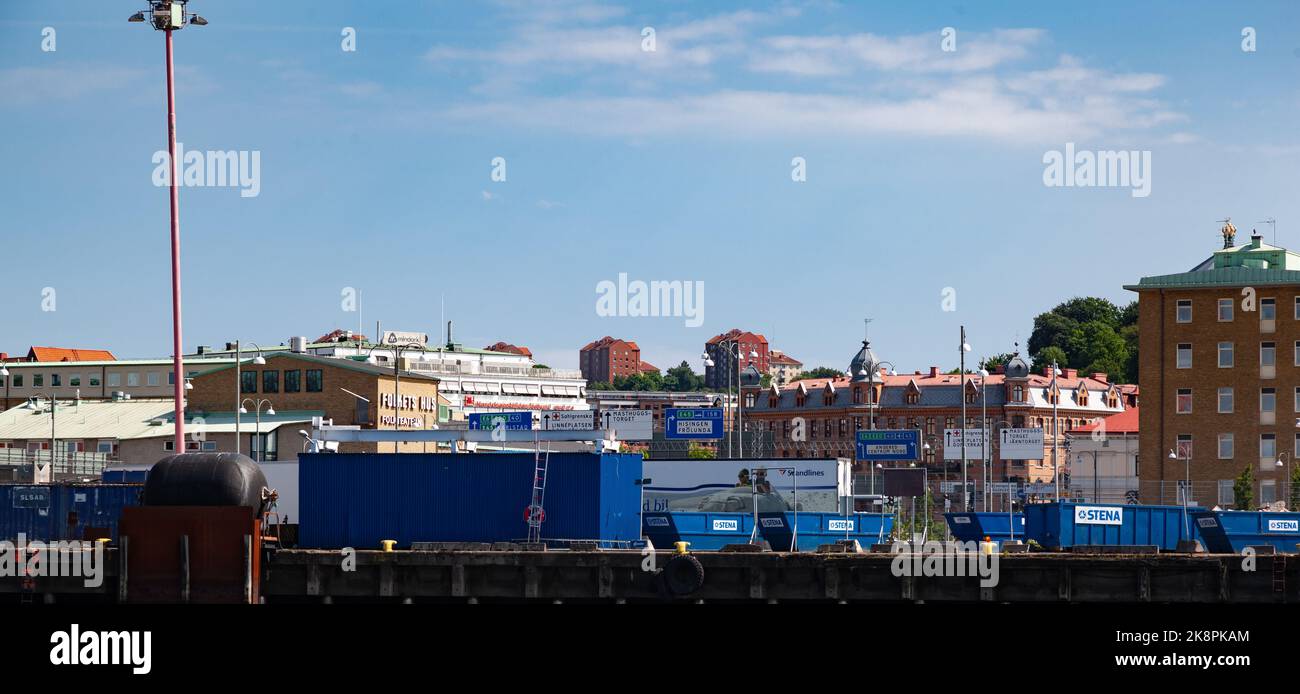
x: 646, y: 368
x: 95, y: 380
x: 509, y: 349
x: 53, y: 354
x: 782, y: 367
x: 819, y: 417
x: 1219, y: 362
x: 722, y: 350
x: 1104, y: 459
x: 608, y: 358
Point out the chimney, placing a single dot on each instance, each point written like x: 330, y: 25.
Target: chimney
x: 934, y: 371
x: 1000, y: 369
x: 1069, y: 373
x: 203, y: 349
x: 1255, y: 239
x: 1100, y: 376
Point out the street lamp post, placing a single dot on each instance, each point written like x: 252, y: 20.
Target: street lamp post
x: 1187, y: 484
x: 984, y: 435
x: 965, y: 494
x: 168, y: 16
x: 1286, y: 478
x: 1056, y: 434
x: 239, y: 385
x: 259, y: 449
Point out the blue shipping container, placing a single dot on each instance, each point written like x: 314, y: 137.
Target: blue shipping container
x: 997, y: 527
x: 1230, y: 532
x: 1065, y: 525
x: 712, y: 531
x: 51, y: 512
x: 358, y: 500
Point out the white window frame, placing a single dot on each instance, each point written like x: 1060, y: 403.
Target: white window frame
x: 1228, y: 304
x: 1231, y: 350
x: 1232, y: 400
x: 1178, y: 355
x: 1229, y: 440
x: 1178, y: 310
x: 1178, y: 400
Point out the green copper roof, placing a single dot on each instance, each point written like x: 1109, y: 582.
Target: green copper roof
x: 1254, y: 264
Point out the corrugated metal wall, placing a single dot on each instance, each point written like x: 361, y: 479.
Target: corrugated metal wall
x: 357, y: 500
x: 63, y: 511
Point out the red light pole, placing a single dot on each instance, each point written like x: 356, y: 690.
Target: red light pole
x: 168, y: 16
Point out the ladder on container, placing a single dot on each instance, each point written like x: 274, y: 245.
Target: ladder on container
x: 536, y: 513
x: 1279, y: 573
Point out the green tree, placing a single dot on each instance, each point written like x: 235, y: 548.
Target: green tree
x: 765, y: 381
x: 1096, y: 347
x: 599, y: 385
x: 1294, y: 504
x: 1243, y: 491
x: 1049, y: 355
x: 700, y: 453
x: 1091, y: 334
x: 993, y: 362
x: 819, y: 372
x: 682, y: 378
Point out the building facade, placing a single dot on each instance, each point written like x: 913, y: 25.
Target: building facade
x: 1220, y: 366
x: 819, y: 418
x: 782, y: 367
x: 1104, y: 459
x: 608, y: 358
x: 95, y: 380
x: 721, y: 371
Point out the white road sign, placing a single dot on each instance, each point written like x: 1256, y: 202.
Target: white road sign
x: 1020, y: 444
x: 952, y: 444
x: 555, y: 420
x: 629, y: 425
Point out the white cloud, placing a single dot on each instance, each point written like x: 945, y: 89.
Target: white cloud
x: 846, y: 54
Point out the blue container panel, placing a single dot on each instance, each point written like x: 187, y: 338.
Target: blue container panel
x: 1054, y: 525
x: 1225, y: 532
x: 49, y: 512
x: 712, y: 531
x: 974, y: 527
x: 357, y: 500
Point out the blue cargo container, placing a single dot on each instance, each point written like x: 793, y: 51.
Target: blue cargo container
x: 1065, y: 525
x: 357, y: 500
x: 997, y: 527
x: 51, y: 512
x: 1229, y: 532
x: 712, y: 531
x: 124, y: 475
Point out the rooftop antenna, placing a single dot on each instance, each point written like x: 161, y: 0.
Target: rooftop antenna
x: 1271, y: 221
x: 866, y: 334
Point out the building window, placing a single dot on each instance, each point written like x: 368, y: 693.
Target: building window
x: 1184, y: 401
x: 1267, y: 492
x: 1184, y: 313
x: 292, y: 380
x: 56, y: 380
x: 1268, y: 446
x: 1226, y: 496
x: 1183, y: 449
x: 1297, y: 307
x: 1225, y: 355
x: 1225, y: 400
x: 18, y: 381
x: 132, y: 379
x: 1225, y: 310
x: 1267, y: 400
x: 1267, y: 354
x: 315, y: 381
x: 1267, y: 309
x: 94, y: 380
x: 1018, y: 394
x: 38, y: 380
x: 1225, y: 446
x: 1297, y: 399
x: 114, y: 380
x: 74, y: 380
x: 1184, y: 360
x: 152, y: 378
x: 270, y: 381
x: 248, y: 381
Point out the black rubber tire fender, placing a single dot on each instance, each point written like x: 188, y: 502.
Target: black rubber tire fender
x: 683, y: 575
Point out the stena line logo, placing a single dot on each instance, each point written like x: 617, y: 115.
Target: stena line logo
x: 657, y: 521
x: 1099, y: 515
x: 726, y: 525
x: 1284, y: 526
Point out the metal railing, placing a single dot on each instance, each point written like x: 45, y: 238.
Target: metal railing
x: 64, y: 463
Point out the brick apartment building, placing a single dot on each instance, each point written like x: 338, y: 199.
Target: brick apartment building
x: 609, y: 357
x: 782, y: 367
x: 1219, y: 357
x: 722, y: 351
x: 832, y: 410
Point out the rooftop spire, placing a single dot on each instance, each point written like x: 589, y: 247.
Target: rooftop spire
x: 1229, y: 233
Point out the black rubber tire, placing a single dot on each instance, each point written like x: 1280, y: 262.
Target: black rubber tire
x: 683, y: 575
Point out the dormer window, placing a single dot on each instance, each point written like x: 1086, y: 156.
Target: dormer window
x: 800, y: 400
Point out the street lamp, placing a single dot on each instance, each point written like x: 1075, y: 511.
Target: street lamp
x: 1286, y: 478
x: 259, y: 449
x: 1187, y: 484
x: 168, y: 16
x: 239, y: 386
x: 965, y: 492
x: 1056, y: 434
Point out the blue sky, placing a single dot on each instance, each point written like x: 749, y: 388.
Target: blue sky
x: 924, y: 167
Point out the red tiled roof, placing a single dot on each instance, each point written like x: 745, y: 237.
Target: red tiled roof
x: 925, y: 379
x: 507, y: 347
x: 1125, y: 422
x: 334, y: 336
x: 647, y: 366
x: 736, y: 333
x: 64, y: 354
x: 606, y: 341
x: 784, y: 358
